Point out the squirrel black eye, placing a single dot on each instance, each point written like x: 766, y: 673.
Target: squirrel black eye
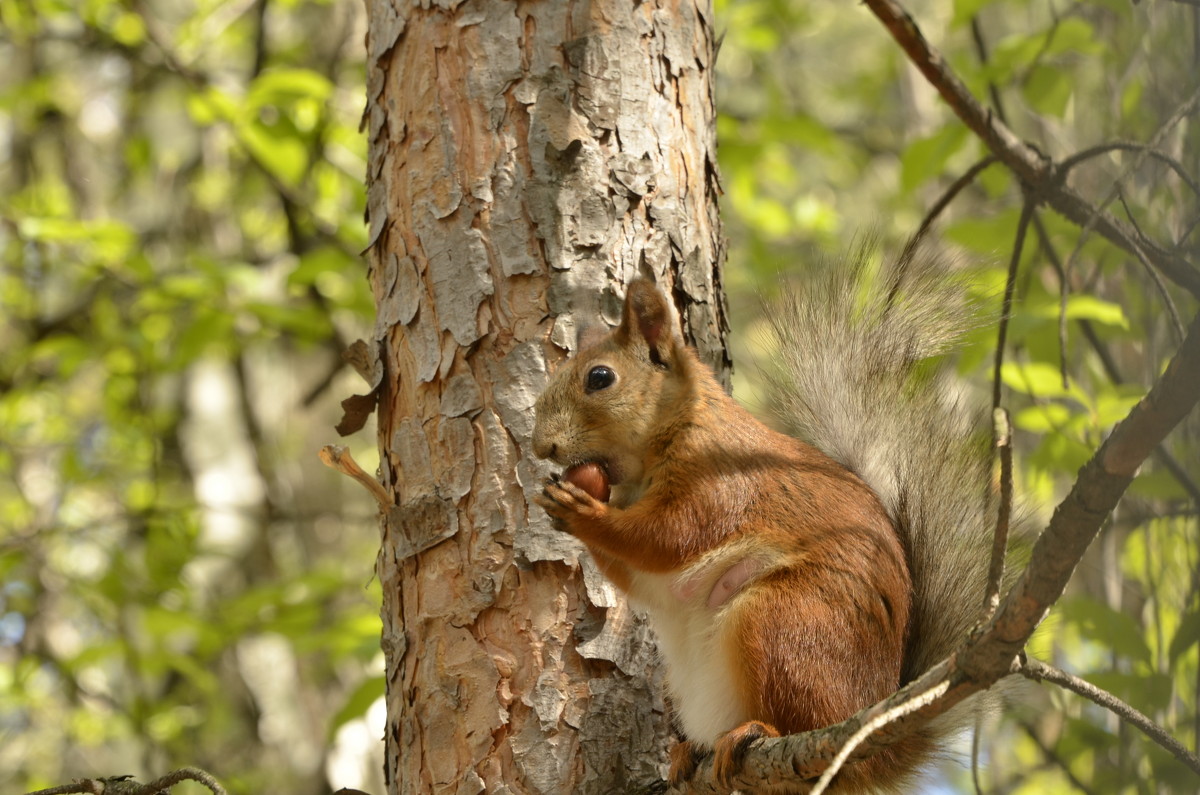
x: 599, y: 378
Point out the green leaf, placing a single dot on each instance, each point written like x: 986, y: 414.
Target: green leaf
x: 1048, y: 91
x: 1131, y: 94
x: 1186, y: 636
x: 108, y: 240
x: 210, y: 105
x: 284, y: 86
x: 358, y: 702
x: 305, y: 321
x: 128, y: 29
x: 1072, y: 34
x: 926, y: 159
x: 984, y: 234
x: 1079, y: 307
x: 1157, y: 484
x: 1114, y: 407
x: 209, y: 330
x: 1015, y: 53
x: 1044, y: 418
x: 281, y: 153
x: 966, y: 10
x: 1099, y: 622
x: 1148, y: 692
x: 321, y: 260
x: 802, y: 130
x: 64, y: 353
x: 1040, y: 380
x: 1083, y: 739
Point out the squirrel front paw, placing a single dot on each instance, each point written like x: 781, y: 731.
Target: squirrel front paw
x: 566, y: 501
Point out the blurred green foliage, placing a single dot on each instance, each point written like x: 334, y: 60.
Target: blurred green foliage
x: 181, y: 193
x: 181, y: 198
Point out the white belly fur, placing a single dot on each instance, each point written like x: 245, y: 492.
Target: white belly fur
x: 694, y: 641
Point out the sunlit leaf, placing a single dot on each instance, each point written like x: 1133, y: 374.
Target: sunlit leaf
x: 281, y: 86
x: 1148, y: 692
x: 1099, y: 622
x: 1039, y: 380
x: 1186, y: 636
x: 926, y: 158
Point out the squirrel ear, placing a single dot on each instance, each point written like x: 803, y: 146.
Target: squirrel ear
x: 648, y: 318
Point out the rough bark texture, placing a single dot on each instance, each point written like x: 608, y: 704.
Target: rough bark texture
x: 526, y: 160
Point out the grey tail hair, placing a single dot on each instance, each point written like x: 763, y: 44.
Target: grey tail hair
x: 856, y: 375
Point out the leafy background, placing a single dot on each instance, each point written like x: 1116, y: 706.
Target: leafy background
x: 181, y: 197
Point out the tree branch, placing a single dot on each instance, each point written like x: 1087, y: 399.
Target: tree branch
x: 1043, y: 179
x: 1077, y: 519
x: 1002, y: 434
x: 1039, y: 671
x: 1069, y: 163
x: 1010, y: 284
x: 125, y: 785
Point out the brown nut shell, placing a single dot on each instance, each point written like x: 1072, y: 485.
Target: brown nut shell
x: 590, y: 477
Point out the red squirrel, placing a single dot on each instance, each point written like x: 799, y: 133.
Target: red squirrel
x: 791, y: 579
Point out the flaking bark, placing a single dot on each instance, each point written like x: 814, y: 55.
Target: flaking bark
x: 525, y: 161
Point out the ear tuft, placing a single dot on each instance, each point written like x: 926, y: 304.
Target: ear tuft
x: 648, y: 318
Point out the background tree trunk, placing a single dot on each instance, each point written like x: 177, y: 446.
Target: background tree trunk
x: 525, y: 161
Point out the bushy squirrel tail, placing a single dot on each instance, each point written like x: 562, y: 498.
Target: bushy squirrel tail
x: 854, y: 377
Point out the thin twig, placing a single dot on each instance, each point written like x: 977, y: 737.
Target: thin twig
x: 912, y: 705
x: 94, y: 786
x: 1068, y: 163
x: 1057, y: 762
x: 976, y: 744
x: 338, y: 457
x: 182, y: 774
x: 1002, y: 433
x: 981, y: 50
x: 1107, y: 362
x: 124, y: 785
x: 1187, y: 232
x: 955, y: 188
x: 1172, y: 312
x: 1006, y: 308
x: 1041, y: 672
x: 1140, y: 244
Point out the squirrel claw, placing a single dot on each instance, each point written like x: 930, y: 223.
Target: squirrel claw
x: 731, y: 747
x: 685, y: 758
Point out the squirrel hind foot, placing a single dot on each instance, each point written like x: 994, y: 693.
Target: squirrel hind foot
x: 730, y: 749
x: 685, y: 758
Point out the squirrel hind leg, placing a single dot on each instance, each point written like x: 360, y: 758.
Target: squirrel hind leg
x: 730, y: 749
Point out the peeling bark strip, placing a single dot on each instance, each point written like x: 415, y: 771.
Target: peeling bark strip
x: 525, y: 160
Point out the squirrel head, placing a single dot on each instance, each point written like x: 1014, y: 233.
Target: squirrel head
x: 605, y: 405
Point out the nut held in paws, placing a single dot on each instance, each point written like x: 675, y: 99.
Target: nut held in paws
x: 590, y: 477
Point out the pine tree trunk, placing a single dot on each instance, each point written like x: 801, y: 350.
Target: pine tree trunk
x: 526, y: 160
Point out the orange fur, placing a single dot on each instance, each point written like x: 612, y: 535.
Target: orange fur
x: 818, y: 629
